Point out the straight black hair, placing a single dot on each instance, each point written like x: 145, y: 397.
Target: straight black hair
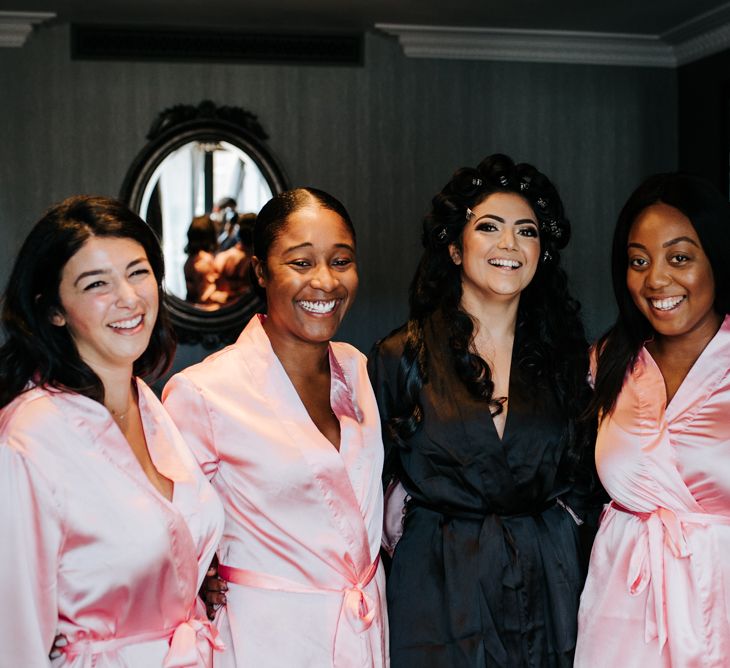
x: 709, y: 212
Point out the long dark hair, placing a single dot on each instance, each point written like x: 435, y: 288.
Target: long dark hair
x: 201, y: 236
x: 553, y: 342
x: 709, y: 213
x: 35, y: 349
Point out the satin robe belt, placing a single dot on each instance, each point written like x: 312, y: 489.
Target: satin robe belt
x: 480, y: 514
x: 498, y: 568
x: 357, y: 606
x: 485, y: 515
x: 664, y: 528
x: 183, y: 652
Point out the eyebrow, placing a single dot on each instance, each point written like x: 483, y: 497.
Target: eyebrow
x: 103, y: 272
x: 666, y: 244
x: 308, y: 244
x: 522, y: 221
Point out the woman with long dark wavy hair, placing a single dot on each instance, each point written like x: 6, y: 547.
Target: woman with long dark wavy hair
x: 107, y: 523
x: 658, y: 588
x: 480, y: 394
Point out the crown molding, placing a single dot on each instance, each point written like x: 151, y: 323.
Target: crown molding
x: 16, y: 26
x: 702, y: 36
x: 547, y: 46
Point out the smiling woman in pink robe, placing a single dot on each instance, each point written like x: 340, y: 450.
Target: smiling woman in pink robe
x: 659, y: 571
x: 303, y: 509
x: 107, y: 522
x: 90, y: 549
x: 658, y: 587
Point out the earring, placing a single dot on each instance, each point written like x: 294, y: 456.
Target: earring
x: 547, y: 256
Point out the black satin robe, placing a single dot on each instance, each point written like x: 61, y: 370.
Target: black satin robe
x: 489, y: 569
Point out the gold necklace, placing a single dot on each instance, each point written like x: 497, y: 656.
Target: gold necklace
x: 119, y: 417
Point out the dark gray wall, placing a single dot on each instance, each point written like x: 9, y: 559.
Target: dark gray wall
x: 384, y: 138
x: 704, y: 118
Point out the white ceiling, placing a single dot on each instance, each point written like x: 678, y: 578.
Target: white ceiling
x: 649, y: 17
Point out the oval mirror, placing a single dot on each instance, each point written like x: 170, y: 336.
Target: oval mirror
x: 199, y: 183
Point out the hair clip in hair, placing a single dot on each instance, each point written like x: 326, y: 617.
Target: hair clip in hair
x: 469, y: 213
x: 476, y: 181
x: 442, y: 234
x: 552, y: 227
x: 524, y: 184
x: 503, y: 181
x: 542, y: 203
x: 547, y: 256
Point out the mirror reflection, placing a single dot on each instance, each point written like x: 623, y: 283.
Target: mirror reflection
x: 203, y: 198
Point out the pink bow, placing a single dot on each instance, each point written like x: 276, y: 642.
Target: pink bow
x: 183, y: 651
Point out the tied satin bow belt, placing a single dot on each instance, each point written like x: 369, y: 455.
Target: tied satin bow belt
x: 183, y: 639
x: 664, y: 528
x: 357, y: 607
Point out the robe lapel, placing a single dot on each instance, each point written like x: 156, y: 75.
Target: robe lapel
x: 700, y: 383
x: 101, y: 430
x: 169, y: 459
x: 656, y: 430
x: 328, y: 467
x: 470, y: 416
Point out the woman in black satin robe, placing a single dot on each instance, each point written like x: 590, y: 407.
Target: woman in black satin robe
x: 480, y: 394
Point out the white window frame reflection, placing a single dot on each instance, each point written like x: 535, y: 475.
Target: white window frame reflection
x: 181, y: 179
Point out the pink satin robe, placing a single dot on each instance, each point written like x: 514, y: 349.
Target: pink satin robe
x: 658, y: 588
x: 303, y: 521
x: 90, y: 549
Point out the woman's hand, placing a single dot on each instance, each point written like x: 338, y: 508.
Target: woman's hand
x: 59, y: 642
x: 394, y: 503
x: 213, y: 590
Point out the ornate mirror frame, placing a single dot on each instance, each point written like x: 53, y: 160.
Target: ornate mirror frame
x: 173, y: 128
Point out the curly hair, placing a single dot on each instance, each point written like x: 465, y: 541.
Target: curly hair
x: 709, y: 212
x: 35, y: 349
x: 554, y: 347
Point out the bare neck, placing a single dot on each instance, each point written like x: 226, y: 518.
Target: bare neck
x: 684, y: 350
x: 118, y: 390
x: 300, y: 359
x: 496, y: 320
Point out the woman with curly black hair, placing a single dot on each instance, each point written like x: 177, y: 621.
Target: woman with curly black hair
x: 480, y: 394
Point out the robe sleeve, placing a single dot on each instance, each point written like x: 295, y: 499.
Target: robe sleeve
x: 189, y: 411
x: 30, y: 545
x: 380, y: 369
x: 587, y: 496
x: 382, y: 378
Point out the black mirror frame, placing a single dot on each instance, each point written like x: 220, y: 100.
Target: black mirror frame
x: 173, y: 128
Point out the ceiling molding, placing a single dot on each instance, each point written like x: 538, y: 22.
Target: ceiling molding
x: 16, y: 26
x: 707, y: 44
x: 548, y: 46
x: 701, y: 36
x: 699, y: 25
